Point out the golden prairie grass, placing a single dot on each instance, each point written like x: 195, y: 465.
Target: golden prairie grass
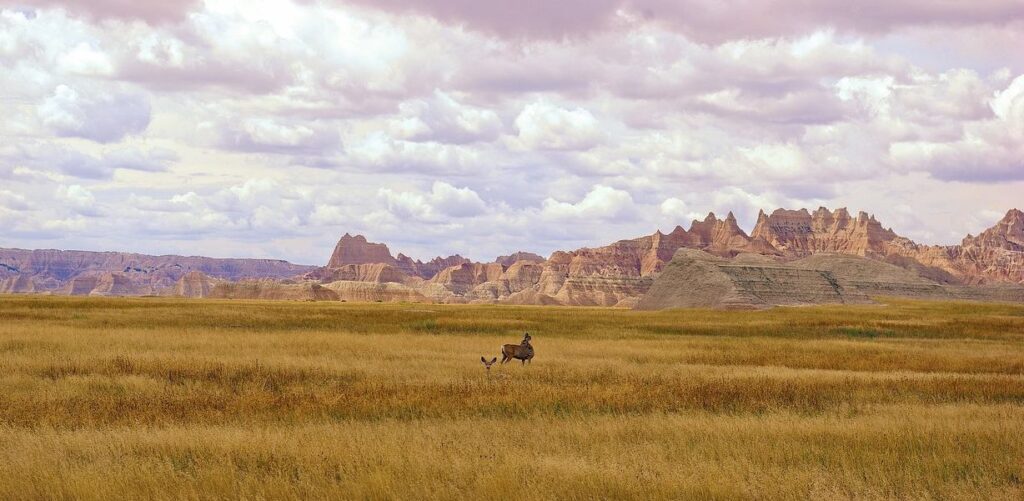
x: 169, y: 399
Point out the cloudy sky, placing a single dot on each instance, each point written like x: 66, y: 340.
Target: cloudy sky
x: 268, y: 129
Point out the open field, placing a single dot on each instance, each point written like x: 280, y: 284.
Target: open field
x: 170, y: 399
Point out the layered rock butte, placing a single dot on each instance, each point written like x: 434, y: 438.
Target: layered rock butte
x: 796, y: 247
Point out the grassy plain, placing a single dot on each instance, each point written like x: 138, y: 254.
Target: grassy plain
x: 179, y: 399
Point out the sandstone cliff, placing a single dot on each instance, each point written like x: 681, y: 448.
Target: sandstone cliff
x: 369, y: 292
x: 369, y: 272
x: 430, y: 268
x: 996, y: 255
x: 20, y: 284
x: 118, y: 284
x: 356, y: 250
x: 194, y: 284
x: 272, y: 289
x: 465, y: 277
x: 515, y: 257
x: 798, y: 232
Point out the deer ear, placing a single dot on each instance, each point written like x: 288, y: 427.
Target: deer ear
x: 483, y: 360
x: 495, y: 359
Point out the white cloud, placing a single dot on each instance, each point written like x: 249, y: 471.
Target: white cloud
x: 100, y: 117
x: 602, y: 202
x: 776, y: 161
x: 1008, y: 104
x: 544, y: 126
x: 459, y: 202
x: 442, y: 202
x: 380, y: 152
x: 79, y: 200
x: 674, y: 207
x: 263, y: 131
x: 872, y: 93
x: 441, y: 118
x: 989, y: 150
x: 84, y: 59
x: 282, y: 136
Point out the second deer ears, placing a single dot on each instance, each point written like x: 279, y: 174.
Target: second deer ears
x: 495, y: 359
x: 483, y: 360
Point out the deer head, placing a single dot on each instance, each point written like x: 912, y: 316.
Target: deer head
x: 487, y: 365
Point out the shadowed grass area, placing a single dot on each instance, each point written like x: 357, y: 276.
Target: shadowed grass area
x: 167, y: 398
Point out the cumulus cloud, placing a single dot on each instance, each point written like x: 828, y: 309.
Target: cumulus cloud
x: 257, y: 209
x: 271, y: 135
x: 601, y: 203
x: 1008, y: 104
x: 79, y: 200
x: 993, y: 158
x: 677, y: 211
x: 544, y: 126
x: 380, y: 152
x: 443, y: 201
x: 989, y: 150
x: 443, y: 119
x: 84, y: 59
x: 776, y: 161
x: 102, y: 117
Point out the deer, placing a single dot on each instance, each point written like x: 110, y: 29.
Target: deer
x: 487, y: 365
x: 522, y: 351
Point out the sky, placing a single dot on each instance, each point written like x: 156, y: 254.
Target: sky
x: 270, y: 128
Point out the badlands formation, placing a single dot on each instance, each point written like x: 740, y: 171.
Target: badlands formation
x: 125, y: 274
x: 791, y: 257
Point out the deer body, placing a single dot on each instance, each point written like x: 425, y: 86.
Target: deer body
x: 522, y: 351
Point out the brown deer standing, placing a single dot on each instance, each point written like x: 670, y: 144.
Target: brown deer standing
x: 522, y: 351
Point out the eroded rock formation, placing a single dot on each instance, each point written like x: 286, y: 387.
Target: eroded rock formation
x: 698, y: 279
x: 799, y: 232
x: 785, y: 247
x: 515, y: 257
x: 194, y: 284
x: 273, y: 289
x: 119, y: 273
